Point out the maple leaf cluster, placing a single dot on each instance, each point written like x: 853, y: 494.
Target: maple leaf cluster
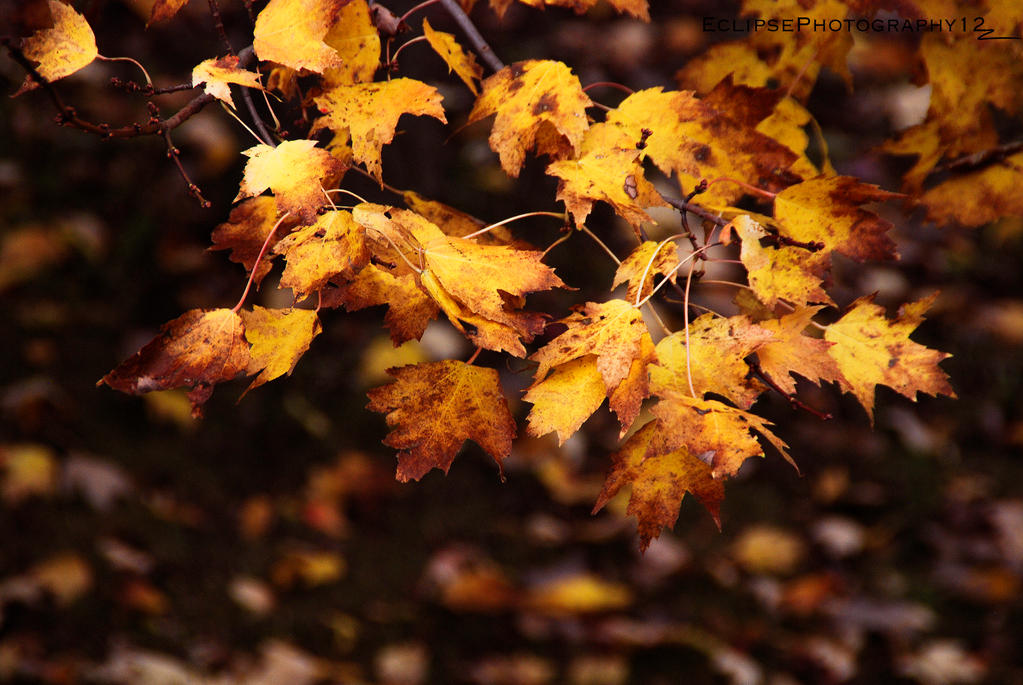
x: 728, y: 150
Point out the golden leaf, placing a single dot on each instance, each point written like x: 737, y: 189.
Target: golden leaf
x: 291, y: 32
x: 566, y: 398
x: 978, y: 197
x: 216, y: 74
x: 294, y: 171
x: 357, y: 42
x: 787, y: 273
x: 164, y: 10
x: 61, y: 50
x: 872, y: 350
x: 279, y: 337
x: 409, y: 308
x: 640, y: 267
x: 793, y: 352
x: 539, y: 104
x: 245, y: 232
x: 432, y: 408
x: 315, y: 254
x: 369, y: 112
x: 462, y: 63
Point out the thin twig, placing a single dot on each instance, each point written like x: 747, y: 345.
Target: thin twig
x: 173, y: 153
x: 472, y: 33
x: 218, y: 21
x: 754, y: 365
x: 264, y: 133
x: 699, y: 211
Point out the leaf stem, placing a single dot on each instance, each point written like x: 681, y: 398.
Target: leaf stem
x: 420, y: 6
x: 259, y: 258
x: 510, y: 219
x: 394, y: 57
x: 472, y: 33
x: 600, y: 242
x: 145, y: 73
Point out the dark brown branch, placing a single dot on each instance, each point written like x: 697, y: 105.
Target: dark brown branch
x: 173, y: 153
x: 218, y: 21
x: 472, y: 33
x: 684, y: 206
x: 980, y: 159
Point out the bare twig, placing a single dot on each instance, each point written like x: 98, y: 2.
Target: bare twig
x: 173, y: 153
x: 218, y: 21
x: 472, y: 33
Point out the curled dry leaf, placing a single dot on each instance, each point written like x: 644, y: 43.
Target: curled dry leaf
x: 216, y: 74
x: 457, y: 59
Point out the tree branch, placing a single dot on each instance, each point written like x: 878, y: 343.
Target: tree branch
x: 473, y: 34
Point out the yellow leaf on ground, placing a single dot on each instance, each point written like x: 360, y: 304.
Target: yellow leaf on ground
x: 872, y: 350
x: 245, y: 231
x: 357, y: 42
x: 198, y: 349
x: 540, y: 105
x: 61, y: 50
x: 640, y: 267
x: 294, y: 171
x: 432, y: 408
x: 216, y: 74
x: 332, y: 246
x: 291, y: 32
x: 789, y: 273
x: 827, y: 209
x: 612, y: 330
x: 793, y: 352
x: 717, y: 349
x: 369, y: 112
x: 566, y: 398
x: 279, y: 337
x: 462, y: 63
x: 409, y: 308
x: 659, y: 480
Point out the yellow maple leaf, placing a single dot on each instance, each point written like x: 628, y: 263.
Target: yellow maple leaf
x: 483, y: 332
x: 63, y: 49
x: 291, y: 32
x: 659, y: 480
x: 827, y: 209
x: 566, y: 398
x: 279, y: 337
x: 612, y: 330
x: 409, y: 308
x: 626, y: 400
x: 334, y: 245
x: 640, y: 267
x: 702, y: 140
x: 539, y: 104
x: 294, y: 171
x: 978, y: 197
x: 198, y: 349
x: 462, y: 63
x: 793, y: 352
x: 357, y: 42
x: 456, y: 223
x: 719, y: 435
x: 787, y: 124
x: 216, y: 74
x: 369, y: 113
x: 714, y: 359
x: 432, y: 408
x: 787, y: 273
x: 872, y: 350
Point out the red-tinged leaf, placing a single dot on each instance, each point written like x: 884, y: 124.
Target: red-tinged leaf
x: 197, y: 350
x: 432, y: 408
x: 245, y: 232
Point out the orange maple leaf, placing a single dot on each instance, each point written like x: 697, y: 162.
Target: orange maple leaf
x: 872, y: 350
x: 539, y: 104
x: 432, y: 408
x: 793, y: 352
x: 197, y: 350
x: 245, y: 231
x: 334, y: 245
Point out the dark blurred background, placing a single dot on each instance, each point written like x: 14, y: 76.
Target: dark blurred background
x: 269, y: 543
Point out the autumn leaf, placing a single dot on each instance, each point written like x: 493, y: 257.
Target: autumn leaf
x: 566, y: 398
x: 787, y: 273
x: 315, y: 254
x: 715, y: 359
x: 63, y: 49
x: 607, y: 174
x: 245, y: 232
x: 216, y: 74
x: 715, y: 433
x: 462, y: 63
x: 456, y: 223
x: 703, y: 140
x: 357, y: 42
x: 978, y: 197
x: 294, y: 171
x: 291, y: 32
x: 409, y: 310
x: 369, y: 112
x: 197, y: 350
x: 872, y: 350
x: 164, y: 10
x: 432, y: 408
x: 279, y: 337
x: 627, y: 399
x: 637, y: 8
x: 791, y: 351
x: 659, y: 480
x: 539, y: 104
x: 612, y: 330
x: 640, y: 267
x: 827, y: 209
